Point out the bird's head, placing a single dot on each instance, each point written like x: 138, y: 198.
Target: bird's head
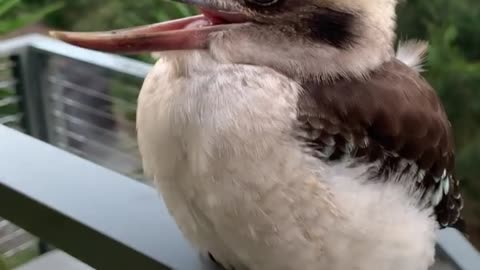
x: 301, y: 38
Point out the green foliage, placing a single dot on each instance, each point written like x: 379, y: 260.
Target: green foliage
x: 3, y: 265
x: 14, y: 14
x: 19, y: 258
x: 87, y: 15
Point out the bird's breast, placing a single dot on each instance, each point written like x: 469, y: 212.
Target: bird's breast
x: 206, y: 112
x: 208, y: 132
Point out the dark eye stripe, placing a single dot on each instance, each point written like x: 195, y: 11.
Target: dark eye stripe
x: 332, y: 27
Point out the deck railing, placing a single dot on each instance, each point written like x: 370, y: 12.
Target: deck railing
x: 74, y: 105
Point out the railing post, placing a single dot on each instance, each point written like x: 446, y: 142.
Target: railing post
x: 29, y: 70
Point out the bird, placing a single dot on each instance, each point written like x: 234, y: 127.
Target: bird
x: 291, y: 134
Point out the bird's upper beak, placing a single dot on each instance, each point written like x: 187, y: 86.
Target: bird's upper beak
x: 182, y: 34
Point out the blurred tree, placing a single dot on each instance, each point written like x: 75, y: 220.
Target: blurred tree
x: 15, y: 14
x: 85, y: 15
x: 3, y: 266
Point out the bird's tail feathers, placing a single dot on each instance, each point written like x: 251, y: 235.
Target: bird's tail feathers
x: 413, y: 53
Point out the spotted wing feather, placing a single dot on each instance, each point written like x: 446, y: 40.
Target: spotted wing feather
x: 394, y: 117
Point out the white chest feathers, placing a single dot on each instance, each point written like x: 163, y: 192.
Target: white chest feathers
x: 218, y: 141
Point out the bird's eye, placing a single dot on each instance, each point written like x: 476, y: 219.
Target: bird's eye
x: 263, y: 3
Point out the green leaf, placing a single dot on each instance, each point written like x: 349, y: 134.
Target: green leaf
x: 29, y: 18
x: 7, y: 6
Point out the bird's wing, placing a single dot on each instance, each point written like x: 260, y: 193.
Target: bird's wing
x: 393, y: 117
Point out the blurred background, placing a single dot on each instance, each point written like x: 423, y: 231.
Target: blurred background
x: 94, y: 110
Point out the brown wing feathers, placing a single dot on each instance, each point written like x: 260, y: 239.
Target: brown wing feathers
x: 392, y: 117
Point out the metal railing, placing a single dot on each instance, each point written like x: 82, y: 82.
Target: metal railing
x: 76, y: 100
x: 99, y: 216
x: 84, y: 102
x: 79, y: 101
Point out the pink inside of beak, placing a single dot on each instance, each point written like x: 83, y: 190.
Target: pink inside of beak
x: 223, y: 17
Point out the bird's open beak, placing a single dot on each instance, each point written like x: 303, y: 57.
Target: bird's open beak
x: 182, y: 34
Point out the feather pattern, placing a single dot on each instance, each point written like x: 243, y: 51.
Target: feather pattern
x: 393, y: 117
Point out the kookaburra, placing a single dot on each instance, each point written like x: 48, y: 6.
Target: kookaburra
x: 287, y: 134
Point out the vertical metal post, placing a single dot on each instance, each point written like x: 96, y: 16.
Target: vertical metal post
x: 19, y: 92
x: 29, y: 70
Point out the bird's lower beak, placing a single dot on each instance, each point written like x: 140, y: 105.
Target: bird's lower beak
x: 182, y: 34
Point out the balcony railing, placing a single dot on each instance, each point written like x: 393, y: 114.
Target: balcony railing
x: 76, y: 109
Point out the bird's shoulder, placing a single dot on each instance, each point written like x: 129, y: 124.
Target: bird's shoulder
x: 393, y: 116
